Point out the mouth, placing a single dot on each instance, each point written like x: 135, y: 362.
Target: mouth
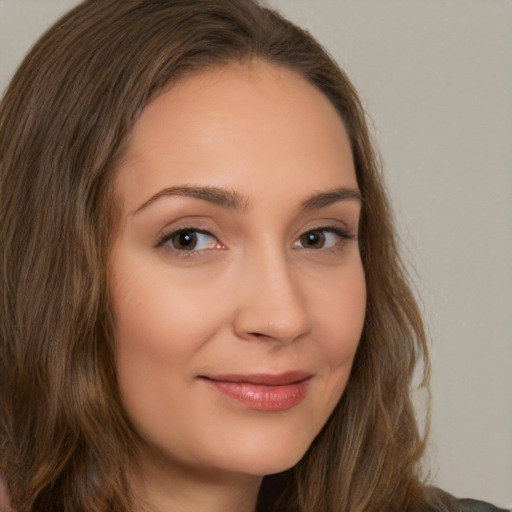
x: 262, y: 391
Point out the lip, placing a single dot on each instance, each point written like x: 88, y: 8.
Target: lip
x: 262, y: 391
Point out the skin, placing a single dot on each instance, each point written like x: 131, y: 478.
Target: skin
x: 252, y: 294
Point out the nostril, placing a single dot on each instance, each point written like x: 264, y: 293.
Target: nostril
x: 259, y: 335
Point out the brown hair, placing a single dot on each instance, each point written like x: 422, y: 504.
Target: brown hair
x: 64, y: 123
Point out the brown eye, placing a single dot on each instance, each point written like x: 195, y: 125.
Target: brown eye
x: 190, y: 240
x: 184, y: 240
x: 313, y: 239
x: 324, y: 238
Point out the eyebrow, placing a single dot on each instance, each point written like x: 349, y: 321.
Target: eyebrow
x: 323, y: 199
x: 232, y: 200
x: 219, y: 196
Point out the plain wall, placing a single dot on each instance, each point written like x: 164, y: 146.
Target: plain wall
x: 436, y: 77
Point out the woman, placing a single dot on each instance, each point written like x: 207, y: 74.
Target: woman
x: 200, y: 282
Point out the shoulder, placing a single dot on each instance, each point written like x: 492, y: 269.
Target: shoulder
x: 440, y: 501
x: 467, y: 505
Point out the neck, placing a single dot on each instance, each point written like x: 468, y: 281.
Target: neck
x: 165, y: 486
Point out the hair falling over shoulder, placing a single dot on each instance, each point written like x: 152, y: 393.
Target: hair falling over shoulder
x: 65, y: 442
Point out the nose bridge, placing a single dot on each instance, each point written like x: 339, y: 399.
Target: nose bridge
x: 271, y: 304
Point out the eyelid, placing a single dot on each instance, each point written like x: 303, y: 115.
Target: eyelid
x: 343, y: 233
x: 162, y: 239
x: 331, y: 228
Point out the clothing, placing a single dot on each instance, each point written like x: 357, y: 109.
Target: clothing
x: 468, y: 505
x: 440, y: 501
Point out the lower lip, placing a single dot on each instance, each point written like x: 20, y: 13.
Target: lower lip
x: 263, y: 398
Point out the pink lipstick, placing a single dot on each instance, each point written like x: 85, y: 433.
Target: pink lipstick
x: 263, y: 392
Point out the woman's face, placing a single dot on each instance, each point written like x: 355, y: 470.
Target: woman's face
x: 237, y: 288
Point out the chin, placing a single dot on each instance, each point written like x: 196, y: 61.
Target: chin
x: 261, y: 457
x: 269, y: 464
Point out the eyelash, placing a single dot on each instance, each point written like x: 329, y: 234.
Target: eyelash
x: 167, y: 237
x: 342, y: 234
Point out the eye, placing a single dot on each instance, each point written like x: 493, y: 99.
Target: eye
x: 324, y: 238
x: 189, y: 240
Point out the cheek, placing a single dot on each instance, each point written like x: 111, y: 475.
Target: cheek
x: 341, y: 314
x: 157, y: 334
x: 157, y: 315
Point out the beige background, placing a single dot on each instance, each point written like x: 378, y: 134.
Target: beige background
x: 436, y: 76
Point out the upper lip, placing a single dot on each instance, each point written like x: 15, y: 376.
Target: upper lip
x: 263, y: 379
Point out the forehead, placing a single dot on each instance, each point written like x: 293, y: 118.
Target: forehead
x: 231, y: 123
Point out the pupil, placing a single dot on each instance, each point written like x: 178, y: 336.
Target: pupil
x: 314, y: 239
x: 186, y: 240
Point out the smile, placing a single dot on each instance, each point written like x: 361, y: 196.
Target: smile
x: 263, y: 392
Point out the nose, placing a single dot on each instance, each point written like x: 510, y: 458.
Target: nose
x: 270, y: 304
